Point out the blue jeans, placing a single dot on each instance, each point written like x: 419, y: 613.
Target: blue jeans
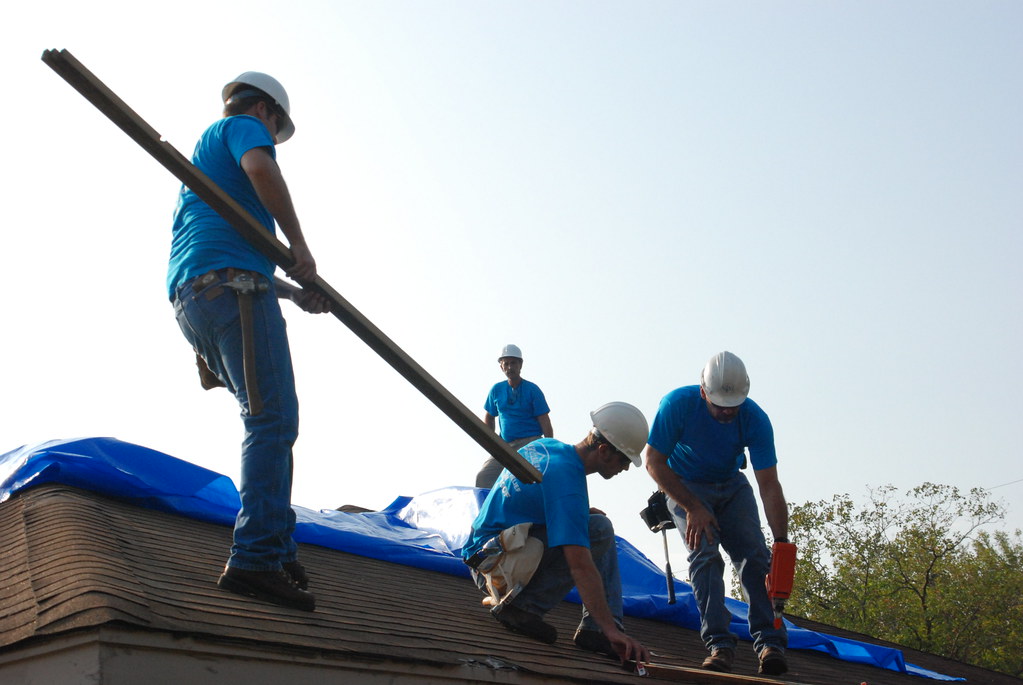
x: 553, y: 579
x: 266, y: 521
x: 739, y: 534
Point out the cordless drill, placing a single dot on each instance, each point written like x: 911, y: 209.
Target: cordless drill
x: 779, y: 579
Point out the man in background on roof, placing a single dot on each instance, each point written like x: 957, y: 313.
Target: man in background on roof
x: 531, y: 543
x: 225, y: 299
x: 520, y: 407
x: 696, y: 450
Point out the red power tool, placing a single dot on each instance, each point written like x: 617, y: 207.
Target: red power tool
x: 779, y: 580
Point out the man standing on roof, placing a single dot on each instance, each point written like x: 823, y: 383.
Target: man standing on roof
x: 531, y: 543
x: 225, y: 299
x: 521, y: 408
x: 696, y: 449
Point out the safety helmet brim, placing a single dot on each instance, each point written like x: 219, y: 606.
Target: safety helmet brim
x: 725, y: 400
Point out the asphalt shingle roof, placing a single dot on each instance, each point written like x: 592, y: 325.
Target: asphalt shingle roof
x: 74, y: 560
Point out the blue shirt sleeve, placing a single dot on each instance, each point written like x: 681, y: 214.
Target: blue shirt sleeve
x: 490, y: 405
x: 760, y: 438
x: 243, y: 133
x: 539, y: 401
x: 666, y: 429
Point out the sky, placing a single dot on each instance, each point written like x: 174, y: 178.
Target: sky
x: 830, y: 190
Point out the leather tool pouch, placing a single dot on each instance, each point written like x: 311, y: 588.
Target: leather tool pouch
x: 207, y: 378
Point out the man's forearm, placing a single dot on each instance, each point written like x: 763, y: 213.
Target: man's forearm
x: 274, y: 195
x: 773, y: 497
x: 777, y: 513
x: 670, y: 484
x: 591, y: 590
x: 268, y: 182
x: 545, y: 425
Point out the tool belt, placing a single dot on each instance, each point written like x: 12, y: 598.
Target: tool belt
x: 507, y: 562
x: 246, y: 285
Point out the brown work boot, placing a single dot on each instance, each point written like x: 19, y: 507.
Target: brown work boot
x: 772, y: 661
x: 720, y: 659
x: 275, y: 587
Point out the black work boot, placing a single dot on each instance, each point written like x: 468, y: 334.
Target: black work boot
x: 521, y: 621
x: 297, y: 573
x: 594, y: 641
x: 275, y: 587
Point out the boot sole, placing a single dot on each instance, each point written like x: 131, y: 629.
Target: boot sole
x: 774, y: 668
x: 547, y: 635
x: 716, y: 668
x: 774, y: 665
x: 599, y: 645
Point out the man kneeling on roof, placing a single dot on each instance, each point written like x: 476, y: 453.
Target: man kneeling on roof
x: 531, y: 543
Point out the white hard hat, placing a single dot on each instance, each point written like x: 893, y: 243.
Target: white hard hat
x: 510, y: 350
x: 624, y: 426
x: 724, y: 380
x: 272, y: 87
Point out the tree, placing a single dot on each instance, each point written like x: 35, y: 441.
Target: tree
x: 918, y: 571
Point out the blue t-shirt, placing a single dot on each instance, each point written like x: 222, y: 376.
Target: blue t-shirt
x: 703, y: 450
x: 201, y: 239
x: 560, y: 501
x: 517, y: 409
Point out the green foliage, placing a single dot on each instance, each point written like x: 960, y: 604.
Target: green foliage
x: 918, y: 571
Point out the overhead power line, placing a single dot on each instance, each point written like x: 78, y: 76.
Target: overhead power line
x: 1011, y: 482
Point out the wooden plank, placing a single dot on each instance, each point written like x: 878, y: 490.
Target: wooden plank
x: 684, y: 674
x: 96, y: 92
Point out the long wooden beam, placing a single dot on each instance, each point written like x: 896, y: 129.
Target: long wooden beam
x: 701, y: 676
x: 96, y: 92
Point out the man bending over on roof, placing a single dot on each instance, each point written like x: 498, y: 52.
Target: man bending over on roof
x: 531, y: 543
x: 696, y: 451
x: 225, y: 301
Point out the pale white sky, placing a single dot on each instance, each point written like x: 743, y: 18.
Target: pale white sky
x: 829, y: 190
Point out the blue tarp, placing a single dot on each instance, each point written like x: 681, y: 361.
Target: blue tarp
x: 426, y: 531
